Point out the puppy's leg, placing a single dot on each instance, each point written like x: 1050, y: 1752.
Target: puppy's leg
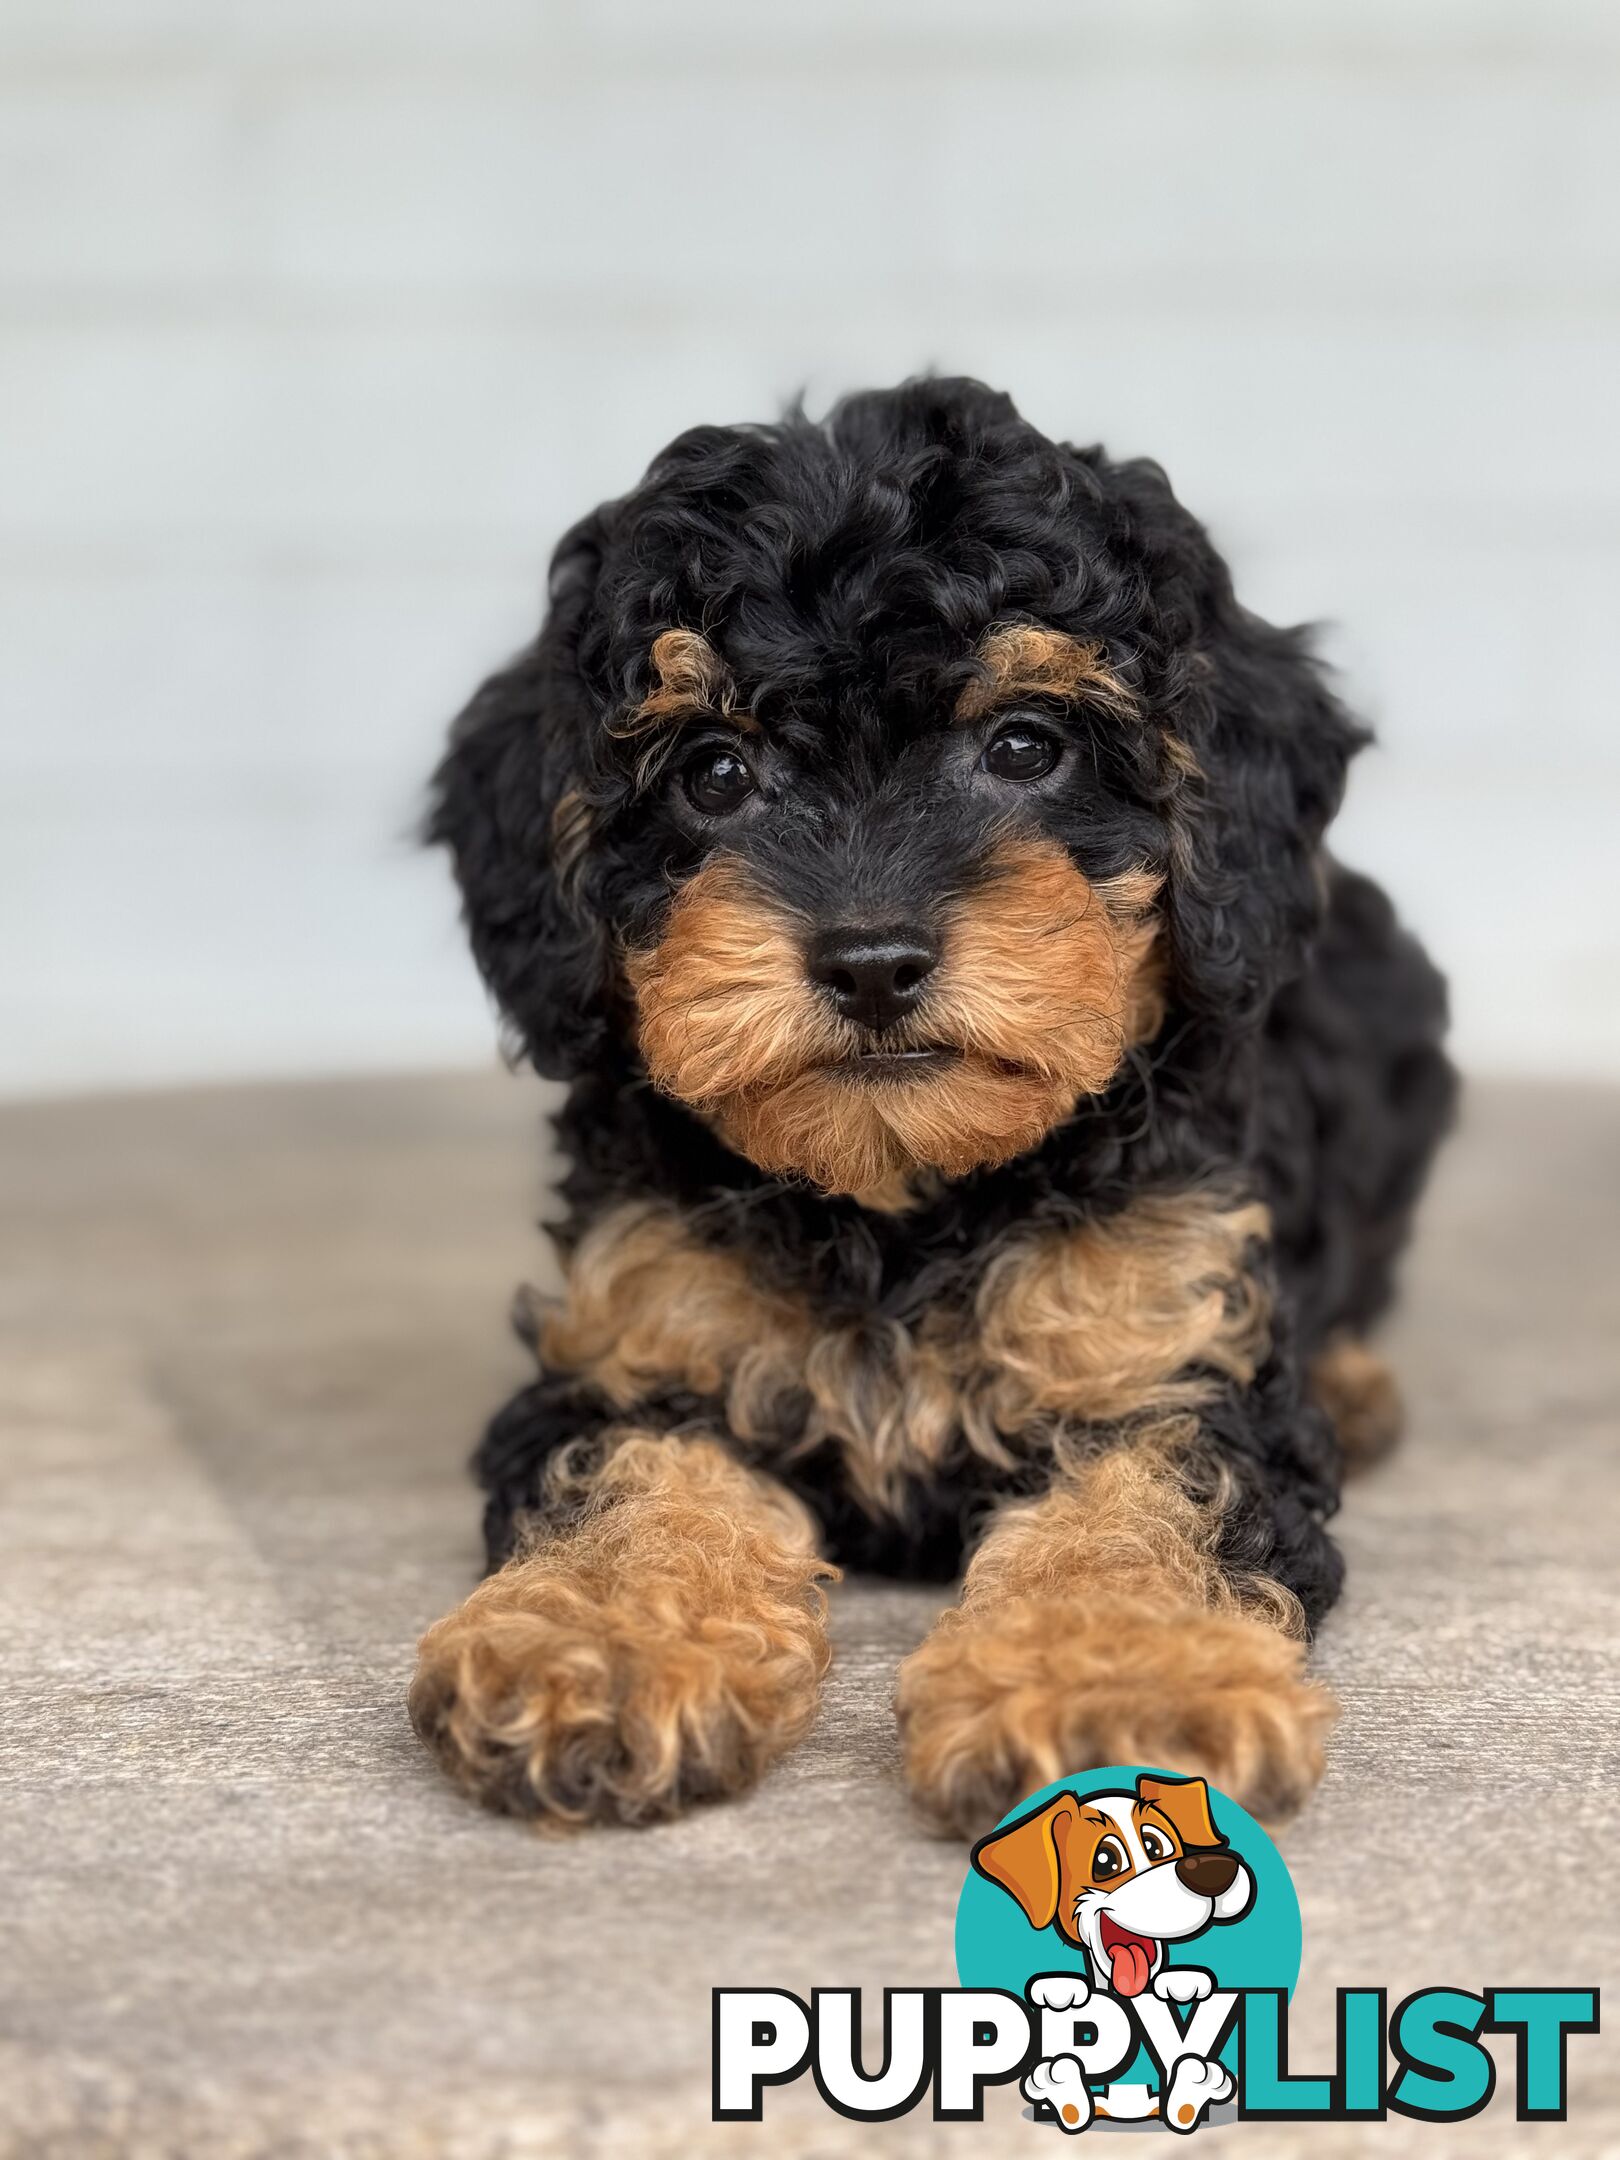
x: 1099, y: 1625
x: 1358, y: 1392
x: 659, y: 1638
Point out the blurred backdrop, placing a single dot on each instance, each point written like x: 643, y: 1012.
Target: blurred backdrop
x: 321, y: 319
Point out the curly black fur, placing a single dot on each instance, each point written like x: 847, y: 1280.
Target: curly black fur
x: 844, y: 571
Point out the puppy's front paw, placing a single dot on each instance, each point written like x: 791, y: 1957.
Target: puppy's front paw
x: 1183, y: 1984
x: 626, y: 1668
x: 999, y: 1702
x: 540, y: 1702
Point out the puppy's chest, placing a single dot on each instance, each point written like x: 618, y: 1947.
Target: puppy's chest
x: 1143, y: 1311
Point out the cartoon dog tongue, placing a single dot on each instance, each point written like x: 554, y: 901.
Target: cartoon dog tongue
x: 1131, y: 1956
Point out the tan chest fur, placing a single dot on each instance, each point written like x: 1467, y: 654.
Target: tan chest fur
x: 1145, y: 1312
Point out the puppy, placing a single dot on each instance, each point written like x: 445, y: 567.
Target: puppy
x: 992, y: 1120
x: 1121, y: 1874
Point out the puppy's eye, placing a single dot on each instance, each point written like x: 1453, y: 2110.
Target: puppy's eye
x: 1108, y: 1860
x: 1154, y: 1843
x: 717, y: 782
x: 1021, y: 752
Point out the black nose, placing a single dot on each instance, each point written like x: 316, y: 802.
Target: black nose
x: 874, y: 977
x: 1209, y: 1873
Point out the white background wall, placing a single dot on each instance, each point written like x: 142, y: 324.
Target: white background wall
x: 321, y: 318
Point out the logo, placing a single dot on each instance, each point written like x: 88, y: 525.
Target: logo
x: 1129, y: 1908
x: 1127, y: 1943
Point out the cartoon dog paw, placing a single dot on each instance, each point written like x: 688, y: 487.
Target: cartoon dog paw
x: 1196, y: 2087
x: 1059, y: 1991
x: 1183, y: 1984
x: 1061, y: 2083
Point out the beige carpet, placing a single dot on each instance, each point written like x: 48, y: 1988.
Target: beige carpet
x: 245, y: 1340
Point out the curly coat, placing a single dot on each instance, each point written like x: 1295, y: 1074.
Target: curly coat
x: 1252, y: 1040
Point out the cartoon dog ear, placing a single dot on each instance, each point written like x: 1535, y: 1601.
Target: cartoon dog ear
x: 1024, y: 1860
x: 504, y: 803
x: 1186, y: 1802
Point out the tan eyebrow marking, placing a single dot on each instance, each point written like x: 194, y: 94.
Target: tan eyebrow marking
x: 690, y: 682
x: 1023, y: 660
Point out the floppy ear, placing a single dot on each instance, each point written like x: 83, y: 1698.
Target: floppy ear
x: 505, y: 803
x: 1186, y: 1802
x: 1263, y: 747
x: 1023, y: 1859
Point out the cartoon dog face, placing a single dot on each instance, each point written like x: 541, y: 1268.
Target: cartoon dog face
x: 1121, y: 1874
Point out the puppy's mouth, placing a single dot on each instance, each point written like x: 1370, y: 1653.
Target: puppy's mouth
x: 1132, y: 1957
x: 883, y: 1062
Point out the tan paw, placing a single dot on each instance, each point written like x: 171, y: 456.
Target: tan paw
x: 664, y: 1651
x: 1358, y: 1391
x: 999, y: 1702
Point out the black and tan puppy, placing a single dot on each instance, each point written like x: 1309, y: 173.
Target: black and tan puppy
x: 993, y: 1118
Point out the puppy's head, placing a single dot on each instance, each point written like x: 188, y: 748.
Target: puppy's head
x: 870, y: 976
x: 878, y: 784
x: 1120, y: 1875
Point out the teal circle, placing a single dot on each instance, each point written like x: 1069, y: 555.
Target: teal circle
x: 997, y: 1948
